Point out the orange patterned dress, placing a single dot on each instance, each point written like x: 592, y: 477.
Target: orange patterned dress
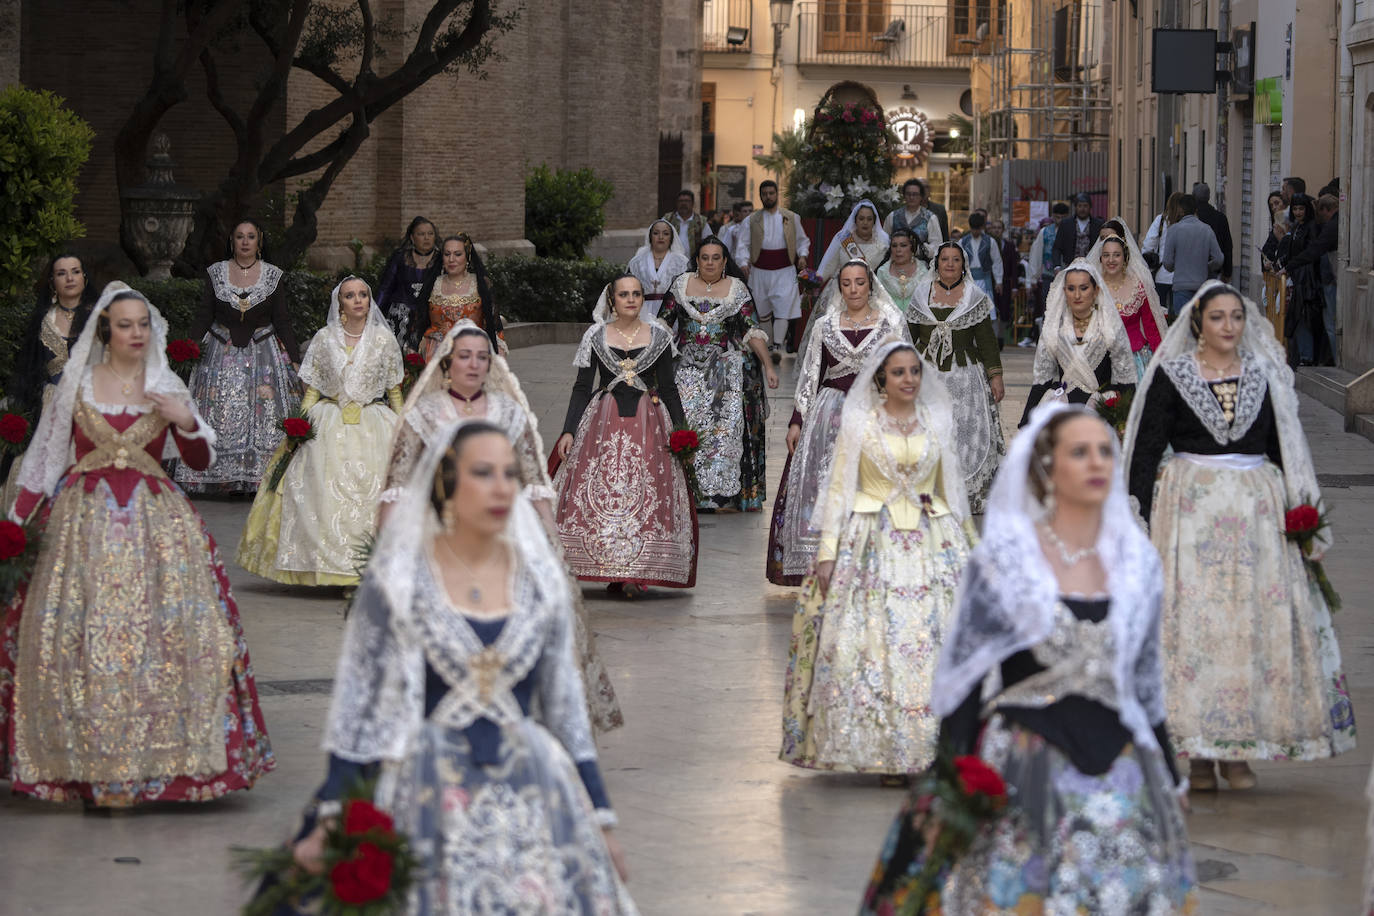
x: 445, y: 311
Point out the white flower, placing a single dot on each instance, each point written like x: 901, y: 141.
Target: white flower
x: 860, y: 187
x: 834, y: 198
x: 888, y: 195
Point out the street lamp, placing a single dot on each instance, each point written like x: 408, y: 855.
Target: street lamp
x: 780, y: 15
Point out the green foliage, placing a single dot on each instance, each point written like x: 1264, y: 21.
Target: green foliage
x: 548, y: 289
x: 564, y: 210
x: 787, y: 149
x: 42, y: 149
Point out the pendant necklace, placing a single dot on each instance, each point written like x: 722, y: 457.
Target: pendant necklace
x: 628, y: 338
x: 467, y: 408
x: 1226, y: 373
x: 474, y: 591
x: 1066, y: 556
x: 128, y: 383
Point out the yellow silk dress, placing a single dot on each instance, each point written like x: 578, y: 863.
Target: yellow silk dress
x: 857, y: 696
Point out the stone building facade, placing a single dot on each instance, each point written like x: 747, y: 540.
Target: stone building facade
x: 578, y: 83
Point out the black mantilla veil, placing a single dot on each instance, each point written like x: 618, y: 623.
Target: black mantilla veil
x: 25, y: 389
x: 491, y: 321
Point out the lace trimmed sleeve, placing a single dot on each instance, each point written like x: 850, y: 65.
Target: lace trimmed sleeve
x: 405, y: 454
x: 533, y: 467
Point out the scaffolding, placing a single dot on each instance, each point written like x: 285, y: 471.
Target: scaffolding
x: 1049, y: 83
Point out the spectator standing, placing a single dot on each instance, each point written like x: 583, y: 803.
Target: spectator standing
x: 1011, y: 270
x: 1217, y: 222
x: 1290, y: 187
x: 1314, y: 281
x: 1042, y: 260
x: 1191, y: 252
x: 1077, y: 234
x: 1153, y: 246
x: 691, y: 226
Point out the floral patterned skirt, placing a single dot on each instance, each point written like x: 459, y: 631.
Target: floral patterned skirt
x: 857, y: 696
x: 792, y: 539
x: 978, y: 434
x: 624, y: 511
x: 124, y: 674
x: 518, y: 836
x: 1252, y: 668
x: 1069, y: 843
x: 243, y: 393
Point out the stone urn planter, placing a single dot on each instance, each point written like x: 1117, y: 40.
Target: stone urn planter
x: 159, y: 214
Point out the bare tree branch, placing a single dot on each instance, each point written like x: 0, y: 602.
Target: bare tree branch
x: 216, y: 97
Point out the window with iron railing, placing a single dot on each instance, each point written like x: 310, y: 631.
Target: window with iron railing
x: 727, y: 25
x: 965, y: 16
x: 852, y: 25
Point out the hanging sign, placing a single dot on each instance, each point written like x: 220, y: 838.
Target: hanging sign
x: 914, y: 136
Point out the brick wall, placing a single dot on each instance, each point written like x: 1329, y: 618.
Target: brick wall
x: 579, y: 84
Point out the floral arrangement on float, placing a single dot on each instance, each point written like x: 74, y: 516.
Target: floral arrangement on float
x: 847, y: 157
x: 368, y: 868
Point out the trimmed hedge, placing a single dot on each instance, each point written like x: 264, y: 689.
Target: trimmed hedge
x: 526, y: 289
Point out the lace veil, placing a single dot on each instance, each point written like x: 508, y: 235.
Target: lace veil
x: 1060, y: 352
x: 1008, y: 593
x: 50, y: 452
x: 378, y: 701
x: 935, y: 410
x: 363, y: 376
x: 1261, y: 352
x: 1137, y: 269
x: 833, y: 250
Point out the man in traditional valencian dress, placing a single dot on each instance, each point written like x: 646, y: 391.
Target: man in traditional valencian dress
x: 691, y: 226
x: 770, y: 247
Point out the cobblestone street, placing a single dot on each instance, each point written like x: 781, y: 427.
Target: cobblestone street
x: 711, y: 822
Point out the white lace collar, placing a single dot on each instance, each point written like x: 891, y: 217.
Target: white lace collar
x: 1196, y: 391
x: 243, y: 297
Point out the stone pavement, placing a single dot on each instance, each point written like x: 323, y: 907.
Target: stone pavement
x: 711, y: 822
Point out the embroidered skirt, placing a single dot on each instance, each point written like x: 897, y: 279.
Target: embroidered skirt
x: 315, y: 527
x: 1068, y: 842
x: 519, y: 836
x: 624, y: 511
x: 722, y: 396
x: 978, y: 434
x: 243, y: 393
x: 124, y: 674
x: 857, y: 696
x: 1252, y: 668
x: 792, y: 539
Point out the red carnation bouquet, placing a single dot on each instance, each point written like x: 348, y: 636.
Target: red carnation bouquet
x: 1115, y: 407
x: 14, y: 433
x: 297, y: 429
x: 368, y: 867
x: 18, y: 551
x: 683, y: 443
x: 182, y: 355
x: 414, y: 365
x: 950, y: 802
x: 1301, y: 525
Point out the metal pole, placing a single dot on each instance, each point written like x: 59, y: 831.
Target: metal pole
x: 1223, y: 108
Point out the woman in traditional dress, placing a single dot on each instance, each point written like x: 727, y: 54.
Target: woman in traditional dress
x: 411, y: 268
x: 460, y: 292
x: 895, y: 534
x: 900, y: 272
x: 457, y: 687
x: 854, y: 318
x: 312, y: 526
x: 1252, y: 664
x: 1051, y: 674
x: 65, y: 298
x: 1083, y: 345
x: 722, y: 364
x: 124, y: 675
x: 244, y: 383
x: 862, y: 237
x: 466, y: 381
x: 657, y: 264
x: 625, y: 513
x: 1127, y: 282
x: 951, y: 323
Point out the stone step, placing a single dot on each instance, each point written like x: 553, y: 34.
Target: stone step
x: 1326, y: 384
x: 1364, y: 426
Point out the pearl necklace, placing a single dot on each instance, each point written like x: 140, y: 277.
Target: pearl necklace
x: 1066, y: 556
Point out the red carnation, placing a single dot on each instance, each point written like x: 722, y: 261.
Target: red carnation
x: 683, y: 440
x: 976, y: 777
x: 1302, y: 519
x: 182, y: 351
x: 415, y: 360
x: 364, y: 878
x: 1111, y: 400
x: 13, y: 428
x: 13, y: 541
x: 296, y: 427
x: 363, y: 816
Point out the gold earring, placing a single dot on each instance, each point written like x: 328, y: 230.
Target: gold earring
x: 447, y: 516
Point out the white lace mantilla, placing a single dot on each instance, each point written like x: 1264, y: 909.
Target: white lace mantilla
x: 849, y: 358
x: 243, y: 298
x: 1195, y: 390
x: 973, y: 308
x: 725, y: 306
